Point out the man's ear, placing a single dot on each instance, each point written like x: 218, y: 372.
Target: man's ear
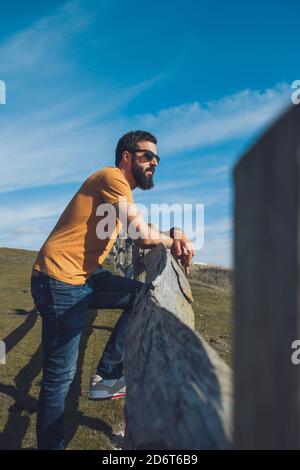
x: 125, y: 156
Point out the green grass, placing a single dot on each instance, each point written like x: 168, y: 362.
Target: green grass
x: 89, y: 425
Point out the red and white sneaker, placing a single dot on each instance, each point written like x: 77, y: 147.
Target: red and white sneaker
x: 102, y: 388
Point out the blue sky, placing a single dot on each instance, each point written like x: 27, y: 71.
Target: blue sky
x: 205, y: 78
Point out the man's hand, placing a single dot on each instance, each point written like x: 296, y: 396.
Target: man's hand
x: 182, y: 248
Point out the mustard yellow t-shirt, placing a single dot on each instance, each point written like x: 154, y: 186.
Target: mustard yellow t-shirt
x: 73, y: 249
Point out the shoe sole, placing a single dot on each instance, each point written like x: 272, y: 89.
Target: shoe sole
x: 109, y: 397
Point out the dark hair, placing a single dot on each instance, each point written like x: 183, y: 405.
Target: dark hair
x: 129, y: 141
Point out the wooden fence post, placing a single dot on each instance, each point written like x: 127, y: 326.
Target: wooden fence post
x: 267, y: 289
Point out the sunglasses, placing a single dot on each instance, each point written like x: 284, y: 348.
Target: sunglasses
x: 148, y: 154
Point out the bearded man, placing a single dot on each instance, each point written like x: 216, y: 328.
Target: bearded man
x: 68, y: 279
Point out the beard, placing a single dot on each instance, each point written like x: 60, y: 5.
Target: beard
x: 143, y: 180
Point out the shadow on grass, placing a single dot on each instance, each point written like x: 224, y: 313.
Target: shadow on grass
x: 21, y: 311
x: 23, y: 404
x: 18, y: 419
x: 18, y: 334
x: 103, y: 328
x: 74, y: 416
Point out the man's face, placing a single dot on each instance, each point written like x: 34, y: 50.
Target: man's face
x: 142, y: 169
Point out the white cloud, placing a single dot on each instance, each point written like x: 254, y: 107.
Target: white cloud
x: 193, y: 125
x: 221, y: 226
x: 217, y: 251
x: 64, y: 140
x: 13, y: 216
x: 218, y: 243
x: 42, y: 44
x: 26, y: 224
x: 26, y: 230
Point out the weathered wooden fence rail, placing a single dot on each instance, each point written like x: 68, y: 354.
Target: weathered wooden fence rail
x: 179, y: 392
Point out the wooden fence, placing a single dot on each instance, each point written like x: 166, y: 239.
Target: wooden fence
x: 178, y: 389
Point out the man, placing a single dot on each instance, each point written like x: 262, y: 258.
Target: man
x: 68, y: 279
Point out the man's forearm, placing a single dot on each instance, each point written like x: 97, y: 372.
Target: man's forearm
x: 154, y: 238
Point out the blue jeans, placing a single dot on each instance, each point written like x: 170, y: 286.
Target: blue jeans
x: 63, y: 308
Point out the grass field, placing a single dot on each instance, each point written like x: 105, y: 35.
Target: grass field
x: 89, y: 425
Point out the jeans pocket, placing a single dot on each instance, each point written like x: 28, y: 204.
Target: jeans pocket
x: 37, y: 293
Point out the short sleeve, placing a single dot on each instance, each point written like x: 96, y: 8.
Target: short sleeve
x: 114, y: 187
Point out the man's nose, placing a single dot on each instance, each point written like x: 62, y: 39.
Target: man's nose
x: 154, y: 162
